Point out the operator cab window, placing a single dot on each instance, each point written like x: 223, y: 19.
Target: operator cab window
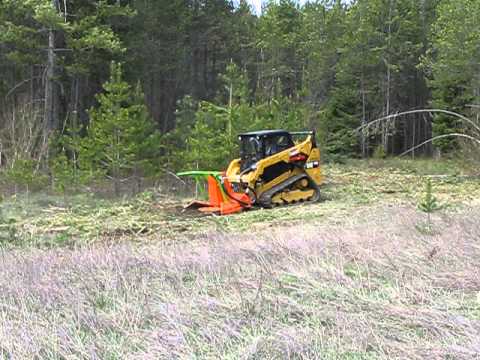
x: 276, y: 144
x: 250, y: 151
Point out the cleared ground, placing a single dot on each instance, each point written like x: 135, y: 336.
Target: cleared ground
x: 361, y: 275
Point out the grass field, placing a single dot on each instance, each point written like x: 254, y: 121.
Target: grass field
x: 360, y: 275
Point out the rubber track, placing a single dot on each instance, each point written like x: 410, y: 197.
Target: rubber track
x: 265, y: 199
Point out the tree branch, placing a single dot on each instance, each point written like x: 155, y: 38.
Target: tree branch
x: 440, y: 137
x: 361, y: 128
x: 20, y: 84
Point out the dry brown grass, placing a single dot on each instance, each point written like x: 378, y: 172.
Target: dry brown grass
x: 374, y: 285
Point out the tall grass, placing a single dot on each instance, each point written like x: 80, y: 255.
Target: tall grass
x: 379, y: 289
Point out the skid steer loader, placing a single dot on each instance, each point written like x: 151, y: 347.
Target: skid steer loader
x: 272, y: 170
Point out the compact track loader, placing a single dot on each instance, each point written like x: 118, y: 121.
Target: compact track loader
x: 272, y: 170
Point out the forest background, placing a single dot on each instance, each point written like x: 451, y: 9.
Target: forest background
x: 135, y: 89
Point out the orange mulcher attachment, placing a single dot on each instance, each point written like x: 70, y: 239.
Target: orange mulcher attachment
x: 221, y: 197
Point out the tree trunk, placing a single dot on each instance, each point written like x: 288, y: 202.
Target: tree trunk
x: 364, y: 138
x: 389, y: 76
x: 50, y: 116
x: 51, y: 93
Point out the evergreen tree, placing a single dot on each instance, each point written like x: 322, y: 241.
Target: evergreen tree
x: 454, y: 64
x: 429, y: 203
x: 121, y: 140
x: 53, y: 48
x: 279, y: 40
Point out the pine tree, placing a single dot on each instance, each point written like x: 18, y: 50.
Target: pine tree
x: 53, y: 49
x: 279, y: 43
x: 429, y: 203
x: 121, y: 140
x: 453, y: 64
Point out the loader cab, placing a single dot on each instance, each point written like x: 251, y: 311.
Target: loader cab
x: 258, y: 145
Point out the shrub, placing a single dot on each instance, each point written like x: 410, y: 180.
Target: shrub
x: 23, y: 173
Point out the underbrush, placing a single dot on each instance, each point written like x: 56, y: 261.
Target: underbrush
x: 46, y: 220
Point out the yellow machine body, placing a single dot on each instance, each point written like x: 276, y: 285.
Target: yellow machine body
x: 305, y: 152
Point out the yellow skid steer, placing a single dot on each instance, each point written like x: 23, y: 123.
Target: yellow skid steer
x: 272, y: 170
